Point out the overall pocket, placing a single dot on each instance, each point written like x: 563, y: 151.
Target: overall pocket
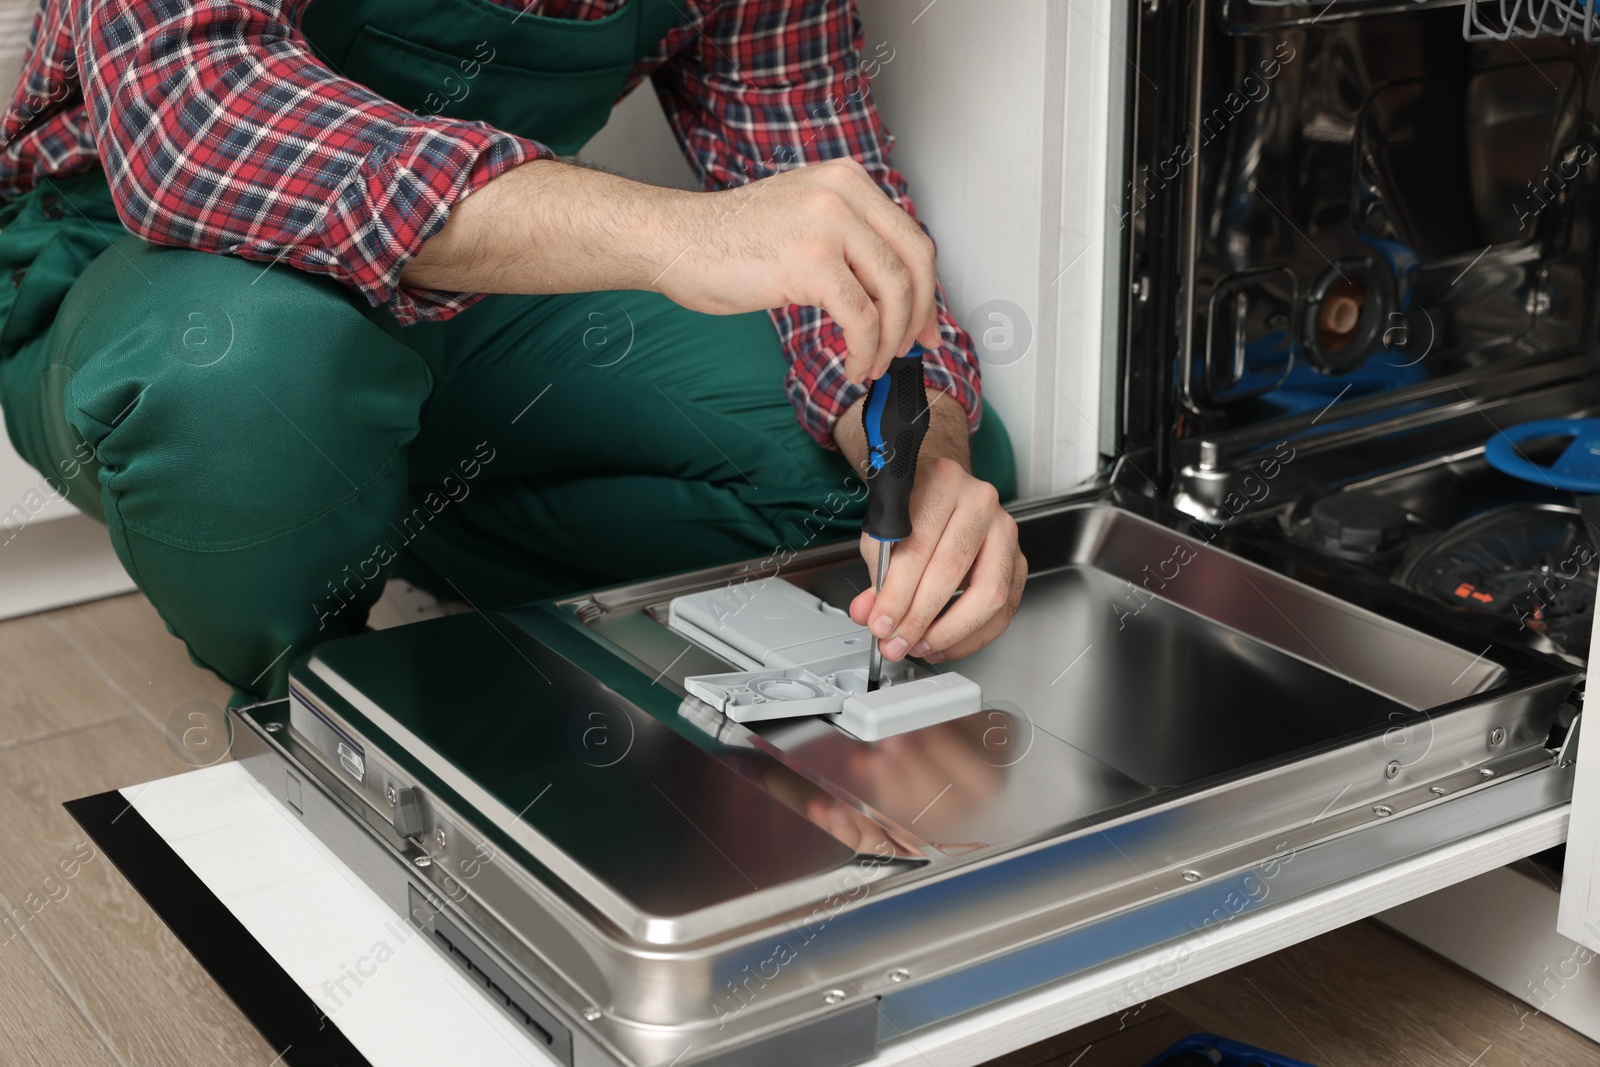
x: 562, y: 109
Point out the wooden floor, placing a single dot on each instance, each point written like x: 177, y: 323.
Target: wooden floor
x: 90, y: 696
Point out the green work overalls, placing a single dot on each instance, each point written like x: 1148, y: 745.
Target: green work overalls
x: 265, y: 448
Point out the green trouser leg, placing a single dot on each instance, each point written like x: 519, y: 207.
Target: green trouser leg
x: 250, y: 432
x: 264, y: 447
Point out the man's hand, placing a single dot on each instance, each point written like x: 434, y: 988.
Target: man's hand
x: 822, y: 235
x: 961, y: 540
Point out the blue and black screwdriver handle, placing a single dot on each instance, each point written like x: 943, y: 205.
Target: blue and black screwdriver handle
x: 896, y: 421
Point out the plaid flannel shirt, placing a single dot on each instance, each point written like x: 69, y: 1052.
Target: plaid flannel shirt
x: 220, y: 129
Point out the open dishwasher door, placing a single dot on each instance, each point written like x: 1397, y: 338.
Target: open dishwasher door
x: 653, y: 882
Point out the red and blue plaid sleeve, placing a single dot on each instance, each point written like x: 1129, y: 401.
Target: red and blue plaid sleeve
x: 220, y: 130
x: 772, y: 84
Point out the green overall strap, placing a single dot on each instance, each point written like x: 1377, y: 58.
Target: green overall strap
x: 548, y: 79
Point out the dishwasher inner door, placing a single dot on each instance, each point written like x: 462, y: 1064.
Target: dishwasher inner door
x: 1164, y: 717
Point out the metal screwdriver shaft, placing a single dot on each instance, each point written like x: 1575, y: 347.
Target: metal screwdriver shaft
x: 875, y: 664
x: 896, y: 420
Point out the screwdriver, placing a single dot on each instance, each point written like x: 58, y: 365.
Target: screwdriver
x: 896, y: 420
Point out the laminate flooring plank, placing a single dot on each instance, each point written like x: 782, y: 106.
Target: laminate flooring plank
x: 123, y: 642
x: 44, y: 688
x: 38, y: 1024
x: 135, y: 982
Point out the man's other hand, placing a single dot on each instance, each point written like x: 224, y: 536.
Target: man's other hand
x: 961, y: 540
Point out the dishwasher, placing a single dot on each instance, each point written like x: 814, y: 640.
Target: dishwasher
x: 1307, y: 622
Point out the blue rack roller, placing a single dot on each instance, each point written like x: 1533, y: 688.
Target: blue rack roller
x: 1577, y: 469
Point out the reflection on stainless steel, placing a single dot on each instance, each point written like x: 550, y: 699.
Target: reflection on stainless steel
x: 985, y: 780
x: 953, y: 934
x: 1141, y: 660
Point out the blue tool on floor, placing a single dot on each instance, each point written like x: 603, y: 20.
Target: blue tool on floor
x: 896, y: 420
x: 1209, y: 1050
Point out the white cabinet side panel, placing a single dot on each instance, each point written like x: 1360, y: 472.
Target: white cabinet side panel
x: 51, y: 565
x: 964, y: 96
x: 1579, y: 915
x: 1578, y: 918
x: 1088, y: 254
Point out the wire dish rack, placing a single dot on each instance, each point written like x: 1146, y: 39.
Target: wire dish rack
x: 1481, y: 20
x: 1508, y: 20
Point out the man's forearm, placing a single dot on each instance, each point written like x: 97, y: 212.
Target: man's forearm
x: 552, y: 227
x: 947, y: 433
x: 823, y: 236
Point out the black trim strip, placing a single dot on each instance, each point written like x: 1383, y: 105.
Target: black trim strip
x: 289, y: 1019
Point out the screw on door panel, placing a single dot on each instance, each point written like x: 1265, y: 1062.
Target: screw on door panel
x: 833, y: 996
x: 1191, y: 876
x: 1382, y: 811
x: 1392, y: 771
x: 438, y: 837
x: 898, y: 975
x: 1497, y: 737
x: 388, y: 794
x: 591, y: 1013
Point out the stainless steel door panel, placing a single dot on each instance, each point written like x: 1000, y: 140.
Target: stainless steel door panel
x: 1050, y: 812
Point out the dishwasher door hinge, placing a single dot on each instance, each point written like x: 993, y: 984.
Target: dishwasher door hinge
x: 1567, y: 754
